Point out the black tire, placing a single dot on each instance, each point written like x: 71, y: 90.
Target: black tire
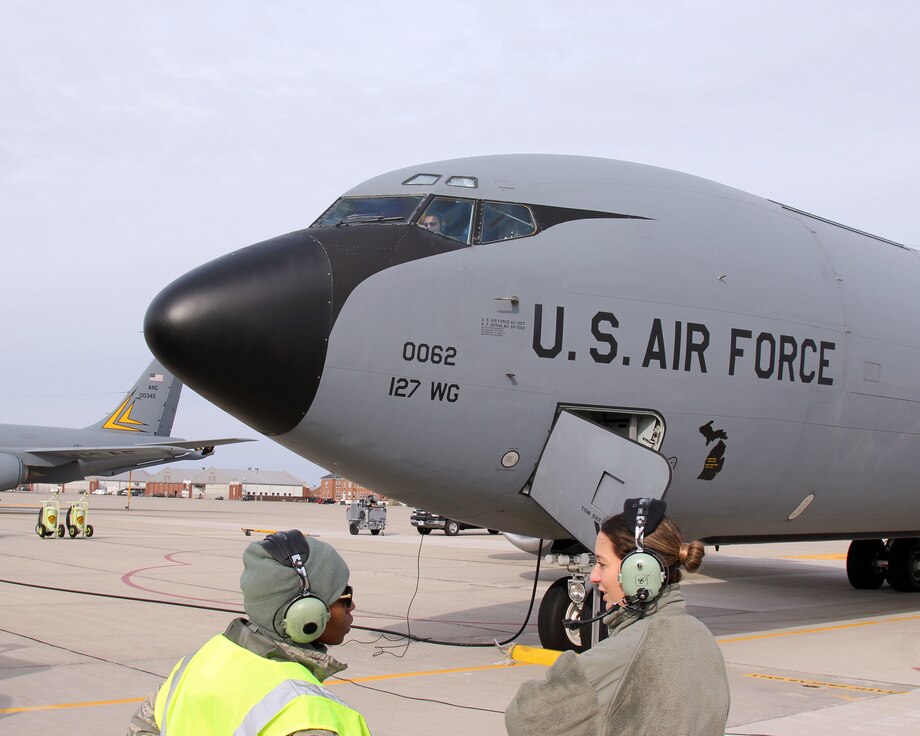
x: 585, y: 630
x: 555, y: 606
x: 904, y: 565
x: 88, y: 531
x: 375, y: 532
x: 72, y: 531
x: 451, y: 528
x: 40, y: 530
x: 863, y: 571
x: 493, y: 531
x: 352, y: 528
x: 61, y: 531
x: 423, y: 530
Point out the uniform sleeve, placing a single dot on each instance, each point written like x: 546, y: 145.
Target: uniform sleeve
x: 563, y: 704
x: 143, y: 722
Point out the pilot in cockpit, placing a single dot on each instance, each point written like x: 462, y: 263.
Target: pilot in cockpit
x: 431, y: 221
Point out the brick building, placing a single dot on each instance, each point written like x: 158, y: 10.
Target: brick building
x: 341, y: 489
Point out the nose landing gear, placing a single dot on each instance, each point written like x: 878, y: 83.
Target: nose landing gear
x: 558, y: 603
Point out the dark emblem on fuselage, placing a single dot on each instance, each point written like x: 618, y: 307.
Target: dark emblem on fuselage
x: 716, y: 457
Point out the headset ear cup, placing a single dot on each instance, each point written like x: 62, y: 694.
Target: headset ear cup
x: 305, y: 619
x: 641, y: 576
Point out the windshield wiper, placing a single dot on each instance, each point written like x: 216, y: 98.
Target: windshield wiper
x: 355, y: 219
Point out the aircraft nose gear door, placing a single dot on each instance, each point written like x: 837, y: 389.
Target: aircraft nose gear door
x: 587, y: 472
x: 584, y: 476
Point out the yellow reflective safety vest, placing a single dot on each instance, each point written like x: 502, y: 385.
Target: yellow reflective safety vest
x: 226, y: 689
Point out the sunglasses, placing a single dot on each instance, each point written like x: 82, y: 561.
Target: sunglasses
x: 347, y: 596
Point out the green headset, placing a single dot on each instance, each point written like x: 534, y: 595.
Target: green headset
x: 304, y: 617
x: 643, y: 573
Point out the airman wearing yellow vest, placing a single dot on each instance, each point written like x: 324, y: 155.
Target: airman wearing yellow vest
x: 263, y: 676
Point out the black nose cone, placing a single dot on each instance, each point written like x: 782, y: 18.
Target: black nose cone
x: 249, y: 330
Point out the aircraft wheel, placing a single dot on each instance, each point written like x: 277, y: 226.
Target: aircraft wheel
x: 863, y: 570
x: 72, y: 531
x: 451, y: 528
x: 353, y: 528
x: 555, y: 606
x: 423, y: 530
x: 493, y: 531
x: 375, y: 532
x: 61, y: 531
x: 89, y: 530
x: 904, y: 565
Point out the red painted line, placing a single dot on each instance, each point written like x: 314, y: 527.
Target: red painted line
x: 126, y: 579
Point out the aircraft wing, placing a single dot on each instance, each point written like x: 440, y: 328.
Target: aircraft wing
x: 136, y: 453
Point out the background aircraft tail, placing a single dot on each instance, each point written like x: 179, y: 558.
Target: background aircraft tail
x: 149, y: 407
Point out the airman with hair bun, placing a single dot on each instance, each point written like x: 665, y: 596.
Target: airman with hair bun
x: 659, y: 671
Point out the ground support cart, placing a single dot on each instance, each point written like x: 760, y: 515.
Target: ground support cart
x: 49, y: 517
x: 365, y: 514
x: 77, y: 516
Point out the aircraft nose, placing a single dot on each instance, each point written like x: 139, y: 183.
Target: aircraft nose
x: 248, y: 331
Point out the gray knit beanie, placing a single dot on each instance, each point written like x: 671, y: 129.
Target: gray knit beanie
x: 268, y: 585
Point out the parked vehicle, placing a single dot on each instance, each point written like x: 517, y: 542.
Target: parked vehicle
x: 366, y: 513
x: 425, y: 521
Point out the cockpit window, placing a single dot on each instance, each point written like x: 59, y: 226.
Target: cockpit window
x: 362, y: 210
x: 422, y: 180
x: 470, y: 182
x: 451, y: 218
x: 504, y: 221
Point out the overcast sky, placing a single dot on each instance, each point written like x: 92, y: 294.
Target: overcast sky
x: 139, y: 140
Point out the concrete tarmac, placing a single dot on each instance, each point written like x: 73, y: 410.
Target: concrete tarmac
x: 89, y: 626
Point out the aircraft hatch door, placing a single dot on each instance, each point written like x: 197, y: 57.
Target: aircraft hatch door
x: 587, y: 472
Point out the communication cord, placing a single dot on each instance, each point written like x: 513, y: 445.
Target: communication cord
x: 409, y: 636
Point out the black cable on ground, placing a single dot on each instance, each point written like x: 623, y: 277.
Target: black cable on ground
x: 236, y: 611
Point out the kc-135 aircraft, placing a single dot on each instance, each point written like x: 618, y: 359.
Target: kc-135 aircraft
x: 524, y: 341
x: 135, y: 434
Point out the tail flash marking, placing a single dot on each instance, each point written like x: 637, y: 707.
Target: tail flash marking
x: 121, y: 417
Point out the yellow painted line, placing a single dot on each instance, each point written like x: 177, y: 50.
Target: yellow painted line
x: 338, y: 681
x: 829, y: 556
x: 818, y: 630
x: 818, y: 683
x: 536, y: 655
x: 423, y: 673
x: 58, y: 706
